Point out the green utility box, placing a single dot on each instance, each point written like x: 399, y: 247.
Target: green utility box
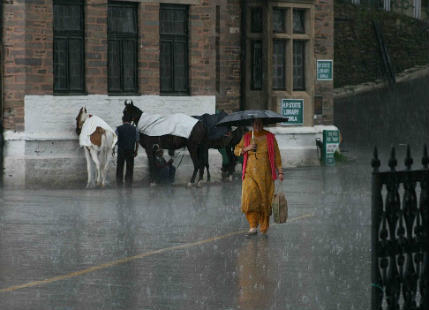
x: 331, y: 141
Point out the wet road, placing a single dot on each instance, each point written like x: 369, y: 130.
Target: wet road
x: 179, y: 248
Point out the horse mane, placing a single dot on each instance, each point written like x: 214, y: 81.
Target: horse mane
x: 135, y: 112
x: 81, y: 111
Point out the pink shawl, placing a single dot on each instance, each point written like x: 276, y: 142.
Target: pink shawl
x: 271, y: 153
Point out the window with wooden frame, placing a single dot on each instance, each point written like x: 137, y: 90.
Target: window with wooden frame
x: 279, y: 64
x: 299, y: 21
x: 279, y: 20
x: 68, y: 43
x: 174, y: 66
x: 122, y: 48
x: 299, y: 65
x: 256, y: 20
x: 256, y: 49
x: 290, y: 34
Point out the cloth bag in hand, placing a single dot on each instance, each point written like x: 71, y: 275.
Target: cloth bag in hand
x: 279, y: 207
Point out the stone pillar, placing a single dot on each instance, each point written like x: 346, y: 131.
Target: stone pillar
x: 324, y: 49
x: 202, y: 48
x: 149, y: 49
x: 228, y: 98
x: 96, y: 46
x: 14, y: 64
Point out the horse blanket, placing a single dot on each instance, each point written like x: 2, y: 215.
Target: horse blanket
x: 210, y: 121
x: 90, y: 126
x: 159, y: 125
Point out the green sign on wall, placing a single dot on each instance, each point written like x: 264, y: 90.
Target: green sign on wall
x: 324, y: 70
x: 331, y: 140
x: 293, y: 109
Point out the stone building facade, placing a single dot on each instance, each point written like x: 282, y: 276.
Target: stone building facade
x: 184, y: 56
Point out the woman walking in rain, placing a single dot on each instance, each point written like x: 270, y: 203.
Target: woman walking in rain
x: 262, y: 165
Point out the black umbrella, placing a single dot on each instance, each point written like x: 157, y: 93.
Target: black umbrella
x: 246, y: 118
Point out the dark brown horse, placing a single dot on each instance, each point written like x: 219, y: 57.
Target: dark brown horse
x: 196, y: 143
x: 221, y: 138
x: 228, y: 143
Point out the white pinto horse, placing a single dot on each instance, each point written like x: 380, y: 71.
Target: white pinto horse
x: 98, y: 140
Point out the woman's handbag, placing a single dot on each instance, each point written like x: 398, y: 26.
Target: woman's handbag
x: 279, y: 207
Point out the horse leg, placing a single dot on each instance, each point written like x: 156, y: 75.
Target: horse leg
x: 203, y: 160
x: 106, y: 161
x: 193, y: 151
x: 195, y: 146
x: 107, y: 155
x: 208, y: 172
x: 102, y: 161
x: 94, y: 156
x: 88, y: 167
x: 150, y: 160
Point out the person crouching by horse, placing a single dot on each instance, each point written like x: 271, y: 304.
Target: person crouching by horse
x: 128, y: 138
x: 261, y: 166
x: 164, y: 171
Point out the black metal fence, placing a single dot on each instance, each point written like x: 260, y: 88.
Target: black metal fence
x: 400, y: 235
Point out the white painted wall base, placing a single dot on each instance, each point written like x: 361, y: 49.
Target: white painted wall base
x: 60, y: 162
x: 49, y: 117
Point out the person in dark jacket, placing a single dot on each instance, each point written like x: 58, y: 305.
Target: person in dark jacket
x: 128, y: 138
x: 164, y: 171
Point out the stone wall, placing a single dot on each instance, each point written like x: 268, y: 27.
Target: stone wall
x: 228, y: 96
x: 357, y: 53
x: 377, y: 115
x: 324, y: 49
x: 28, y: 59
x: 28, y: 56
x: 96, y: 46
x: 149, y: 51
x: 15, y: 64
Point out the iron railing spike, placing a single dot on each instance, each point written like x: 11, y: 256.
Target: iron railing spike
x: 375, y: 162
x: 408, y: 159
x: 392, y: 161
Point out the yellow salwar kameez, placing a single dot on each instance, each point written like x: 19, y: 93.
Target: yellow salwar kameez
x: 258, y: 184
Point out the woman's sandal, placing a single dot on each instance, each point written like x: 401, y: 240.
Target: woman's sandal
x: 251, y: 232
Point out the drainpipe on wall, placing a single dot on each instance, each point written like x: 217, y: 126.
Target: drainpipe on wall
x: 243, y: 53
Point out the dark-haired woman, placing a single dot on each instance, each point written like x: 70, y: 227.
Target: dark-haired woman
x: 262, y: 165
